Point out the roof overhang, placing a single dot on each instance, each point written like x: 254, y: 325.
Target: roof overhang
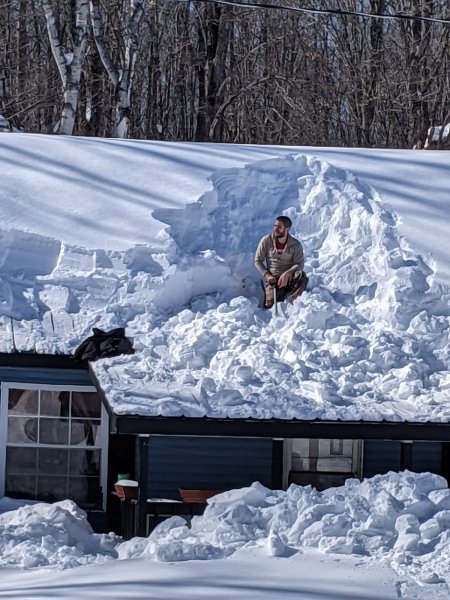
x: 273, y: 428
x: 226, y: 427
x: 279, y: 428
x: 44, y: 361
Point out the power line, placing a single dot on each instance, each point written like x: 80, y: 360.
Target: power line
x: 322, y: 11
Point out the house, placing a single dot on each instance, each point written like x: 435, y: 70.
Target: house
x: 349, y: 383
x: 63, y: 440
x: 437, y: 137
x: 5, y: 126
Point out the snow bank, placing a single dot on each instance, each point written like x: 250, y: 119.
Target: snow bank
x: 400, y: 518
x: 51, y: 535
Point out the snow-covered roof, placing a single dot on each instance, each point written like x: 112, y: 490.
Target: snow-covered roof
x: 159, y: 238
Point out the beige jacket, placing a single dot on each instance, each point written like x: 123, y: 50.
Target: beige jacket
x: 267, y: 259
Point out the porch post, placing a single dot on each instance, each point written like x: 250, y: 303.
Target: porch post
x: 277, y: 464
x: 406, y: 454
x: 142, y: 466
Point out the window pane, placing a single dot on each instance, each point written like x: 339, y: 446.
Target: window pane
x: 84, y: 462
x: 21, y: 461
x: 50, y: 403
x: 85, y: 491
x: 22, y: 430
x: 20, y: 486
x: 53, y: 461
x: 86, y: 404
x: 23, y: 402
x: 85, y: 433
x: 51, y: 489
x: 54, y: 431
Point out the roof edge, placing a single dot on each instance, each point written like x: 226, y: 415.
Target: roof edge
x: 35, y: 360
x: 273, y: 428
x: 279, y: 428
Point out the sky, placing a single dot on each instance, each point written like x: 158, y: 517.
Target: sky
x: 159, y: 238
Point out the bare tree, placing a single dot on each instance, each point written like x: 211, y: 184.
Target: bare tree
x: 206, y: 72
x: 121, y: 73
x: 69, y: 59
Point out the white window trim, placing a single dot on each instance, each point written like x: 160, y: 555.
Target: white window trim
x: 104, y: 427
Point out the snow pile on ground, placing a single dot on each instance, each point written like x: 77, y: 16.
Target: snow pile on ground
x: 400, y: 518
x: 51, y: 535
x: 369, y: 340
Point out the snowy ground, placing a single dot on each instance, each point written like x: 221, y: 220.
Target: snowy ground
x: 305, y: 576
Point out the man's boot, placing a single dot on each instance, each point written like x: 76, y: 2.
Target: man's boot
x: 268, y: 296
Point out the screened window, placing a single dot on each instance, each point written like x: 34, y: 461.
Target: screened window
x: 55, y: 444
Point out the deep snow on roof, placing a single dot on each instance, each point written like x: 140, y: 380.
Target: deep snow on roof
x: 159, y: 238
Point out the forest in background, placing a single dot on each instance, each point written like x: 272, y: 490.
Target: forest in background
x: 202, y: 71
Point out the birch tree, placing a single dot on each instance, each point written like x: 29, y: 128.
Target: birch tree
x: 120, y: 73
x: 69, y: 61
x: 226, y: 73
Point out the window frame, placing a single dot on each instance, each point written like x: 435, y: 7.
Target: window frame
x: 103, y: 432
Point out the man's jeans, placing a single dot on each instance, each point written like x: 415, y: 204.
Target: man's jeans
x: 296, y: 286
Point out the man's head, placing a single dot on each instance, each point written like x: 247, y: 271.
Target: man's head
x: 281, y: 227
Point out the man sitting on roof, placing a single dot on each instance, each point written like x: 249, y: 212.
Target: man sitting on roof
x: 279, y: 259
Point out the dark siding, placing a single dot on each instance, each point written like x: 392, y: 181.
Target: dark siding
x: 427, y: 456
x: 383, y: 456
x: 44, y: 375
x: 380, y: 457
x: 206, y: 463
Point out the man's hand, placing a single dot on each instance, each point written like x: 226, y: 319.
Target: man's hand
x: 270, y: 279
x: 284, y: 279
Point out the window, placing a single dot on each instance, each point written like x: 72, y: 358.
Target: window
x: 324, y: 462
x: 56, y: 444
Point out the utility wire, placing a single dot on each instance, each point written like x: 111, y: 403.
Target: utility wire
x: 322, y: 11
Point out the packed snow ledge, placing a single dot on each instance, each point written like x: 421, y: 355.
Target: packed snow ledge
x: 368, y: 340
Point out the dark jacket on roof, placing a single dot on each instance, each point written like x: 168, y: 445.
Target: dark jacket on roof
x: 103, y: 344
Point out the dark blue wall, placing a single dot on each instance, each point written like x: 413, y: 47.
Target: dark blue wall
x: 45, y: 375
x: 427, y: 456
x: 206, y: 463
x: 380, y: 457
x: 383, y: 456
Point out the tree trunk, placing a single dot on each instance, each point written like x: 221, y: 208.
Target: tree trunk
x: 70, y: 64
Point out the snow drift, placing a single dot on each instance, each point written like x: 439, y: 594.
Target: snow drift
x: 401, y: 519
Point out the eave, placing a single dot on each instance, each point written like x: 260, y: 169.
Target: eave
x: 227, y: 427
x: 274, y: 428
x: 44, y: 361
x: 280, y: 428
